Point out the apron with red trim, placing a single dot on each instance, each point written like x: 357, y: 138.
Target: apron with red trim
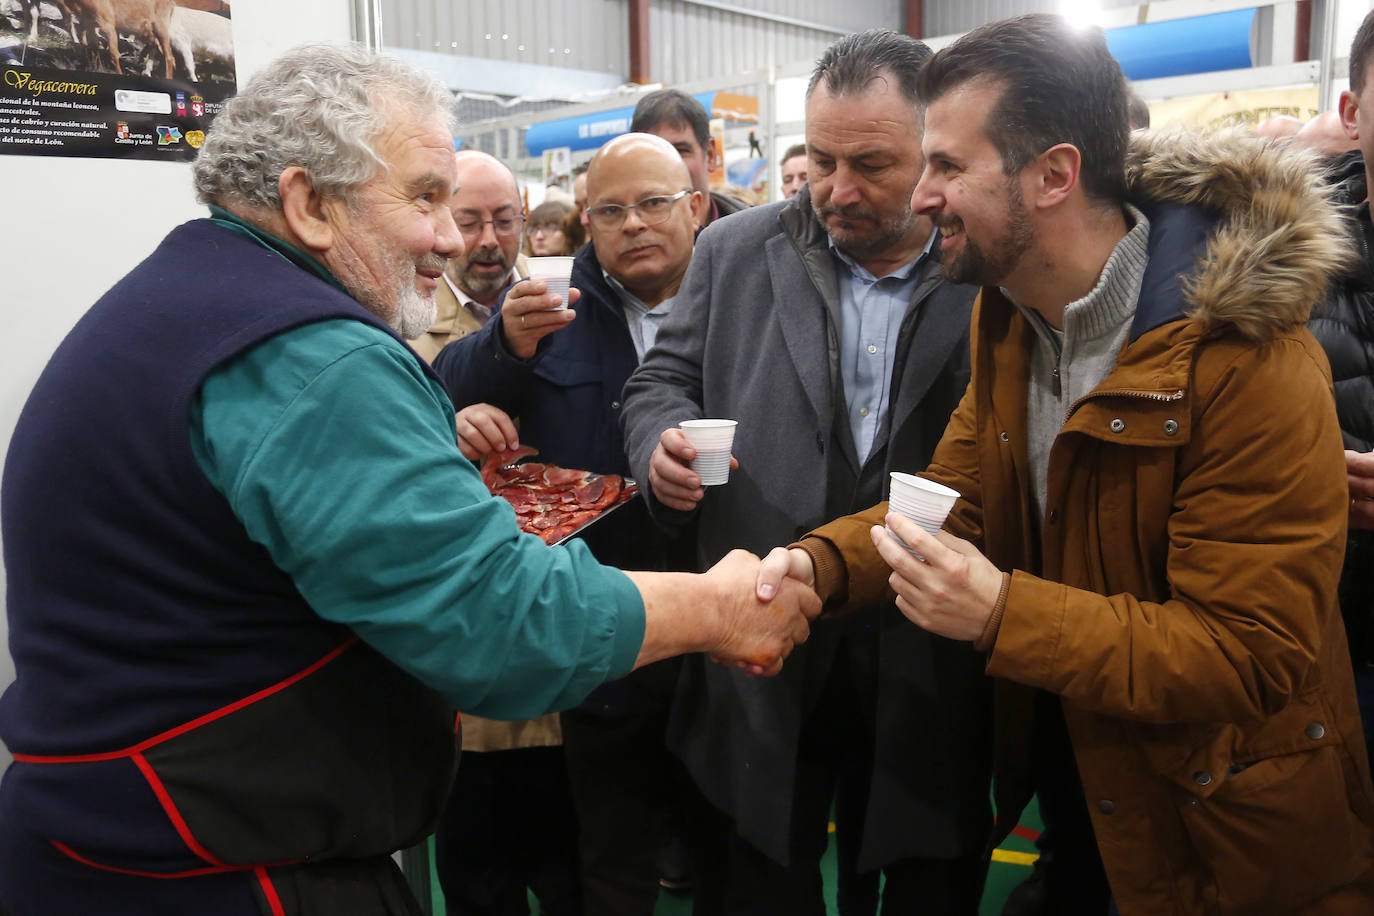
x: 299, y: 792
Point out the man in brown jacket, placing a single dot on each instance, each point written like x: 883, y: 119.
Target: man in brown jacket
x: 1153, y: 492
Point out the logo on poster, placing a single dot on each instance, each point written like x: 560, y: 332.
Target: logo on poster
x: 168, y: 135
x: 37, y: 87
x: 197, y: 107
x: 181, y: 104
x: 122, y: 130
x: 194, y: 138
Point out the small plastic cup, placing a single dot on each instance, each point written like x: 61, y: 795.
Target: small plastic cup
x: 712, y: 440
x: 555, y: 272
x: 922, y: 501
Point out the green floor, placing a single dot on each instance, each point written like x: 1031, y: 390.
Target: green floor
x: 1010, y: 864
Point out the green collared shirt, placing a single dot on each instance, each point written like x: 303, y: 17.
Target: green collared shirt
x: 337, y: 453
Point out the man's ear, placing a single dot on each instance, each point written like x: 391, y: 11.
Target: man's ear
x: 1055, y: 173
x: 304, y: 210
x: 712, y: 154
x: 1349, y: 109
x: 699, y: 206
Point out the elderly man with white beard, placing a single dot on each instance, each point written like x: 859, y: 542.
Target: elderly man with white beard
x: 250, y: 574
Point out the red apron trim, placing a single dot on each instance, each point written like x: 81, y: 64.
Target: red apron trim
x: 170, y: 807
x: 269, y: 891
x: 457, y: 722
x: 188, y: 873
x: 194, y: 723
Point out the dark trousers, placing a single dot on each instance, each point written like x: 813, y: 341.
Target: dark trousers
x: 509, y: 825
x: 834, y: 764
x: 628, y: 788
x: 1076, y: 882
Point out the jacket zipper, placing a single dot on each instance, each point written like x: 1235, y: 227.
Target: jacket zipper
x: 1176, y: 395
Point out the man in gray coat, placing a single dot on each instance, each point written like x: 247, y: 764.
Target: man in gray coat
x: 822, y: 325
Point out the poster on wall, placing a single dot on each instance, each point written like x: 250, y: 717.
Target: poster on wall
x: 1246, y: 108
x: 558, y: 168
x: 113, y: 79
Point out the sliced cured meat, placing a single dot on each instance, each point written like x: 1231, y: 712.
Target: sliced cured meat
x: 611, y: 486
x: 550, y: 501
x: 496, y: 461
x: 563, y: 478
x: 590, y: 492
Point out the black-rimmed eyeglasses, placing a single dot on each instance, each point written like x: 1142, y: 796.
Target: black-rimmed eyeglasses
x: 652, y: 211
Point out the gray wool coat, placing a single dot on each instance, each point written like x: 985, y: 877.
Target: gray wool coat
x: 752, y: 336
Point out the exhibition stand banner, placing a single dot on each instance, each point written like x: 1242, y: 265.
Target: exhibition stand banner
x: 1222, y: 110
x: 132, y: 80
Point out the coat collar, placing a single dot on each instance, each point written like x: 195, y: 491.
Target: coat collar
x: 1251, y: 235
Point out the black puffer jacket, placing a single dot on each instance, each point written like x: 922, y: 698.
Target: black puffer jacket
x: 1345, y: 327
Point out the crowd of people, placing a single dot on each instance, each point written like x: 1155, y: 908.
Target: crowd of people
x: 269, y: 626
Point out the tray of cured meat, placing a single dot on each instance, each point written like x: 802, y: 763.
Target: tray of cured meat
x: 551, y: 502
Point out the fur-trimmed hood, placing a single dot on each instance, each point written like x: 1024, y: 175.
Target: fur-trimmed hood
x: 1278, y: 237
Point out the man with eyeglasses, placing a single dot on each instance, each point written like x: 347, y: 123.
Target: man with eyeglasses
x: 559, y: 372
x: 487, y: 209
x: 822, y: 325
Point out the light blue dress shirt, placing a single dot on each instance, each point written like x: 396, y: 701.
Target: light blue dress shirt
x: 871, y: 313
x: 643, y: 321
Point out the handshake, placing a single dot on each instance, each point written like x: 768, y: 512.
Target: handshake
x: 765, y: 608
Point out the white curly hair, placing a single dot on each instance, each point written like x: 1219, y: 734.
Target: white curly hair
x: 320, y: 107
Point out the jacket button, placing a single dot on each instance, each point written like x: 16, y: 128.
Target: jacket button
x: 1170, y: 427
x: 1117, y: 425
x: 1004, y: 437
x: 1106, y: 806
x: 1052, y: 516
x: 1202, y: 778
x: 615, y: 405
x: 1315, y: 731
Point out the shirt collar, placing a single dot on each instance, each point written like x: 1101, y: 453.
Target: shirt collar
x: 467, y: 301
x: 269, y: 241
x: 627, y: 298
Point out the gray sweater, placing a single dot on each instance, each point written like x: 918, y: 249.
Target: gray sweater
x: 1066, y: 365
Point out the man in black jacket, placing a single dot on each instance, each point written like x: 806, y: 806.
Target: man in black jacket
x: 1345, y: 328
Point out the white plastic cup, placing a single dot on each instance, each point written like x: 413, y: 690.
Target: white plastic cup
x: 712, y: 440
x: 922, y: 501
x: 555, y: 272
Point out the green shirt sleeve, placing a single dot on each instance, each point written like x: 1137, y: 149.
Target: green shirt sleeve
x: 339, y: 455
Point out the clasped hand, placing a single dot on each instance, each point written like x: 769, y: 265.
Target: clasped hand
x: 950, y: 592
x: 757, y: 634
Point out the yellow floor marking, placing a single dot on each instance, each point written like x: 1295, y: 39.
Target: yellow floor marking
x: 1014, y: 858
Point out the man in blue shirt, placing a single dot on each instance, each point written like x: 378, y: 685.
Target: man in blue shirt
x: 822, y: 326
x: 250, y: 574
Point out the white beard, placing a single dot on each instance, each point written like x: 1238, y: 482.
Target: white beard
x: 406, y: 310
x: 415, y: 313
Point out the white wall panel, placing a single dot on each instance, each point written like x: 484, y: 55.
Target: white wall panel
x: 688, y: 41
x: 949, y: 17
x: 583, y: 34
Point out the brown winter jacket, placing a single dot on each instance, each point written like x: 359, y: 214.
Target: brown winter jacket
x: 1183, y: 599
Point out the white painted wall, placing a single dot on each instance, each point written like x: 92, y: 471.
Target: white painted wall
x: 75, y: 226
